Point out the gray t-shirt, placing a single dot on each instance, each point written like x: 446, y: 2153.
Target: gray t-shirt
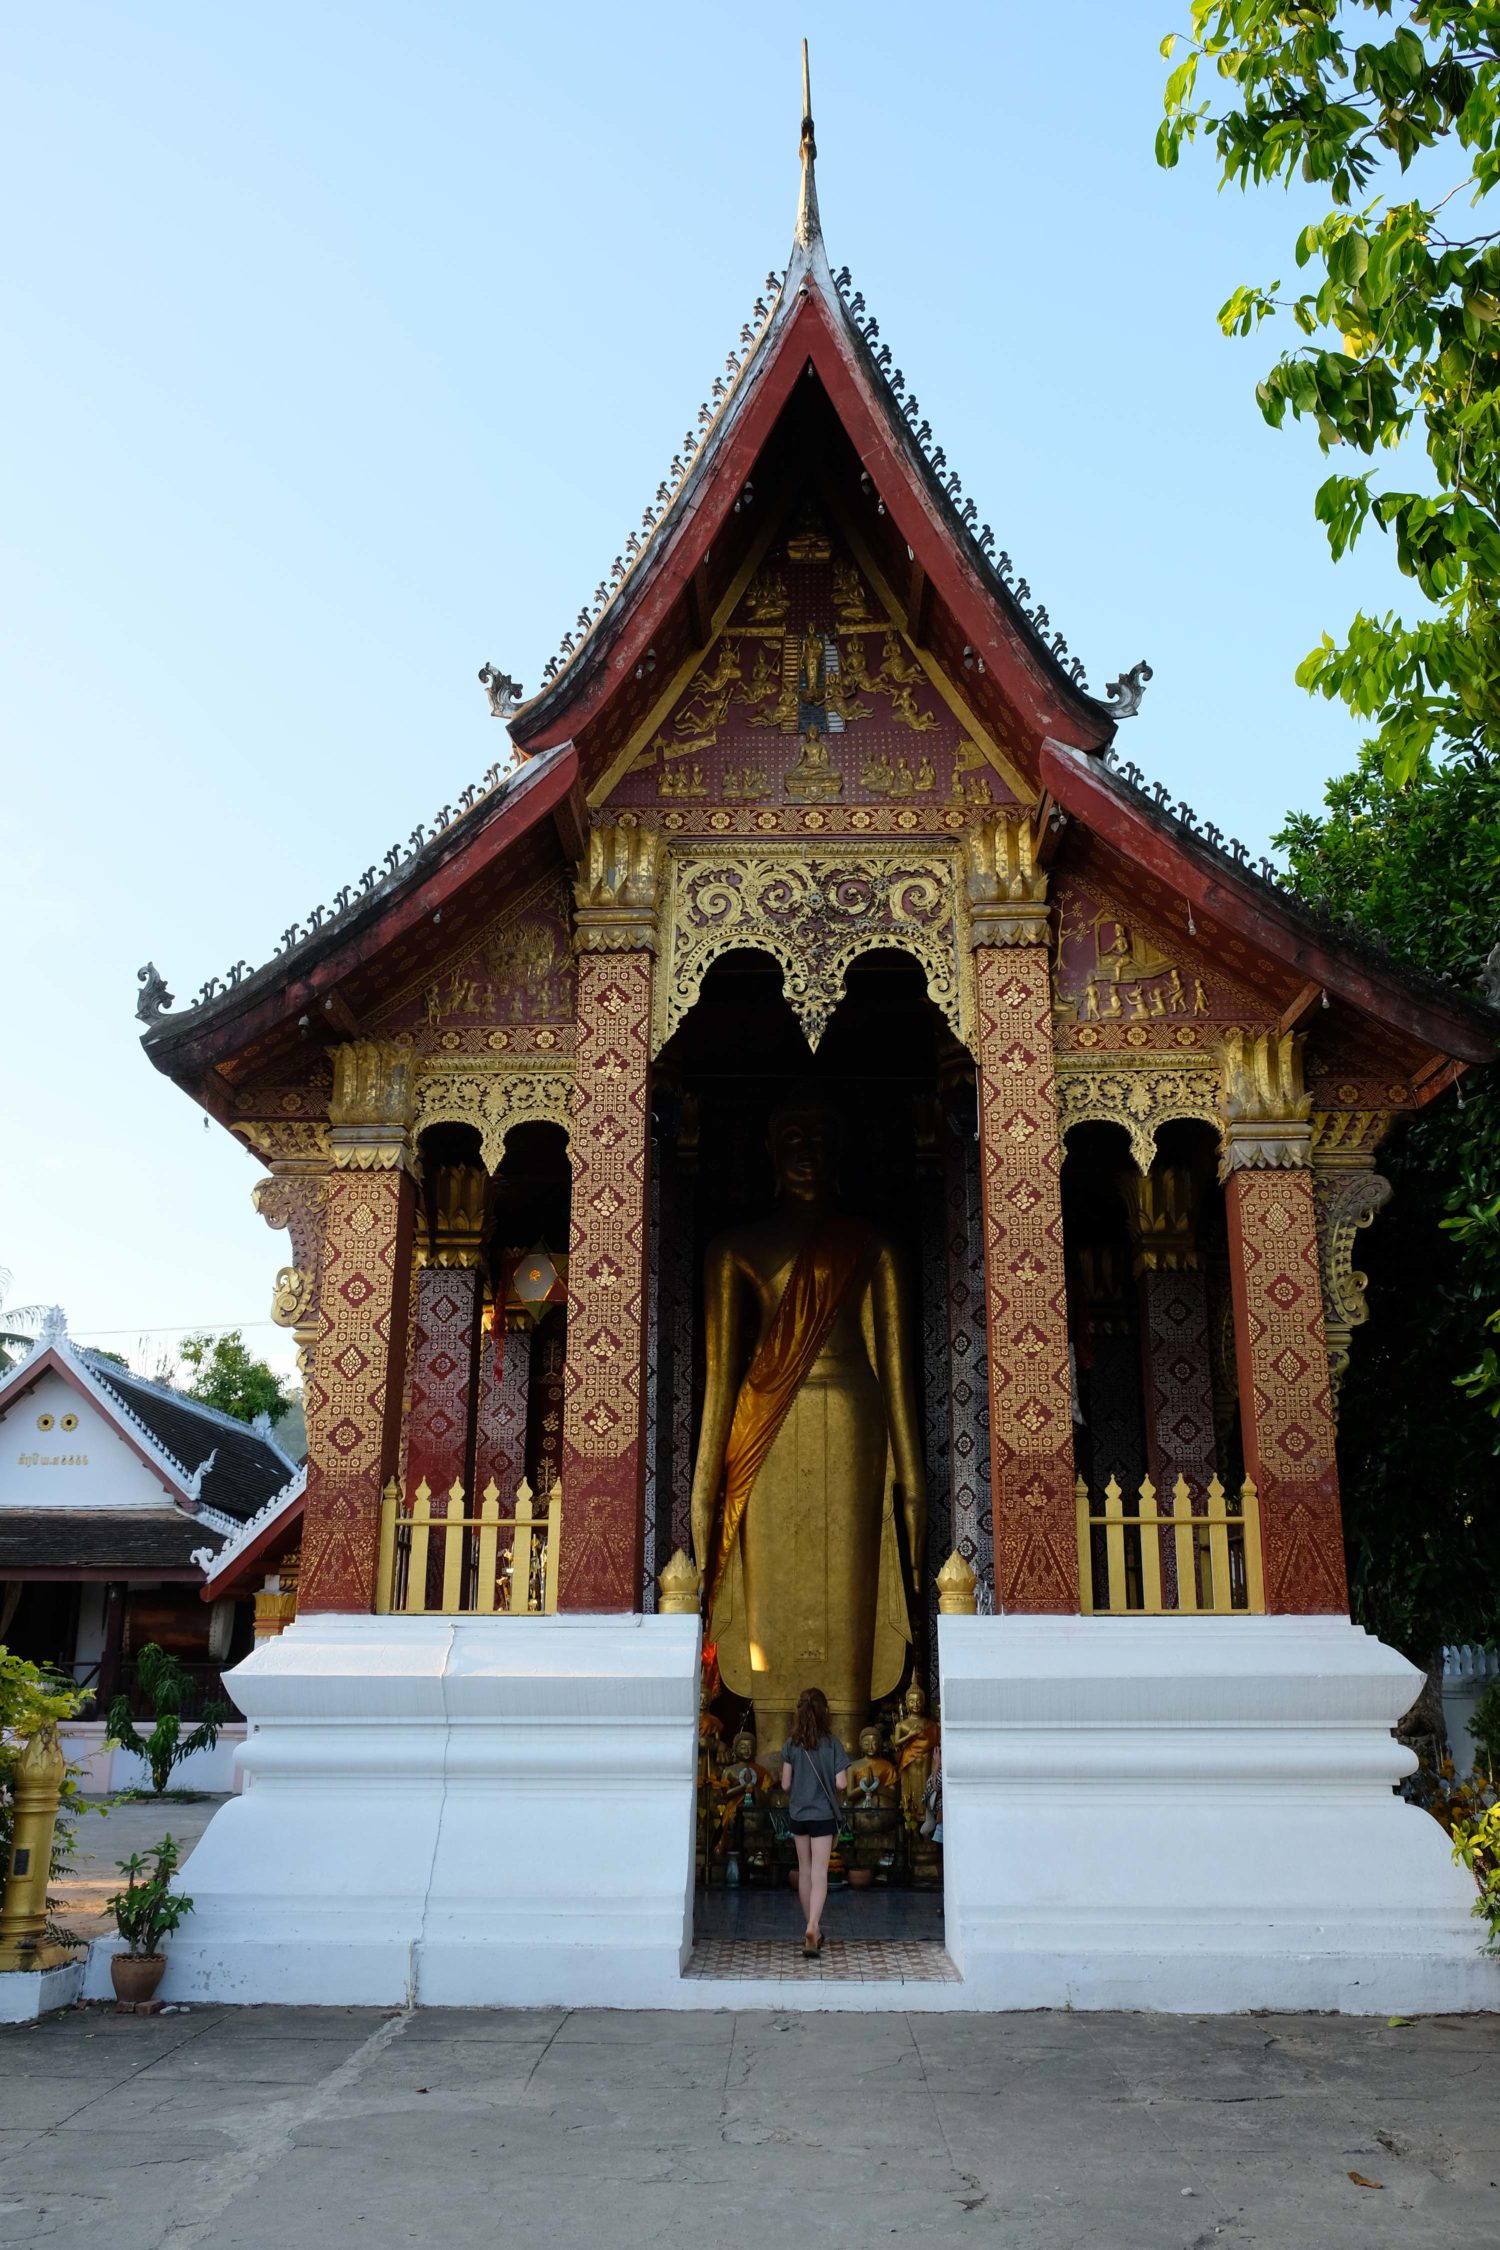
x: 813, y: 1795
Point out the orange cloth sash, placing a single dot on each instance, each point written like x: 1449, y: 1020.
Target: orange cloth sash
x: 815, y: 1291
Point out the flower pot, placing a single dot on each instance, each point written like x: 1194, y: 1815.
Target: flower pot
x: 135, y: 1976
x: 860, y: 1878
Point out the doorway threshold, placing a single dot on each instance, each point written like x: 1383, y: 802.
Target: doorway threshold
x: 844, y: 1961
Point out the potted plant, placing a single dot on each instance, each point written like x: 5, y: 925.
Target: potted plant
x: 145, y: 1912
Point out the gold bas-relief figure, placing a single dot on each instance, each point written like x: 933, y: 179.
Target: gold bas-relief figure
x: 809, y: 1438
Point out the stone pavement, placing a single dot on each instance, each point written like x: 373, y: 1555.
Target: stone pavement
x: 102, y: 1840
x: 309, y: 2129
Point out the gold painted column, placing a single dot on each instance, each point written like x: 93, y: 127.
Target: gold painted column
x: 1286, y: 1395
x: 357, y: 1376
x: 1031, y: 1418
x: 605, y: 1380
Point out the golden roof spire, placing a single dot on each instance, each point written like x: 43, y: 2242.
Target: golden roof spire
x: 809, y: 227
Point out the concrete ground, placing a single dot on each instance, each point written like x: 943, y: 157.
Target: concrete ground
x: 306, y: 2129
x: 107, y: 1837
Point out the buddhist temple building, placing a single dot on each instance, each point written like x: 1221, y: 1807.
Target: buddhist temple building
x: 814, y: 1171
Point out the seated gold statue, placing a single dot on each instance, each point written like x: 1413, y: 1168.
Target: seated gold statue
x: 874, y: 1805
x: 809, y: 1430
x: 747, y: 1789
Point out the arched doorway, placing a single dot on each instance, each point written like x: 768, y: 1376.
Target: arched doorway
x: 902, y: 1089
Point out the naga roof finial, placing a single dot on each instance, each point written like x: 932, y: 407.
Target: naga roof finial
x: 809, y: 228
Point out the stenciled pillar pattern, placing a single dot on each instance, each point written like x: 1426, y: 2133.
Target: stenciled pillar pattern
x: 1179, y: 1381
x: 1286, y: 1403
x: 445, y: 1348
x: 354, y: 1389
x: 1176, y: 1362
x: 504, y: 1381
x: 1031, y: 1422
x: 1111, y: 1441
x: 545, y: 1416
x: 604, y: 1405
x: 442, y: 1380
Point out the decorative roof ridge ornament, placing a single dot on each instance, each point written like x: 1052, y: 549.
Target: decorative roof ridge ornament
x: 1128, y: 692
x: 809, y: 227
x: 154, y: 999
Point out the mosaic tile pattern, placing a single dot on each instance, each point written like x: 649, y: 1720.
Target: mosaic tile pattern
x: 842, y: 1961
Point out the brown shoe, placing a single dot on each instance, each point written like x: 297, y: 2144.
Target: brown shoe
x: 810, y: 1946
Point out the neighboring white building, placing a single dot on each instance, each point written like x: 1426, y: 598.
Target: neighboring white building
x: 114, y: 1492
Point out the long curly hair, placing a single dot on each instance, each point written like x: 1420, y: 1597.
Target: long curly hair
x: 812, y: 1724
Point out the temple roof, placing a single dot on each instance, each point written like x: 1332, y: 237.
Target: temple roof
x: 810, y: 401
x: 811, y: 325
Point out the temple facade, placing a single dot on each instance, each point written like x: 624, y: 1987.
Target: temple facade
x: 815, y: 1146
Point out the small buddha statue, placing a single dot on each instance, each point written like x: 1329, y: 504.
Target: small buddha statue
x: 745, y: 1789
x: 874, y: 1804
x: 914, y: 1738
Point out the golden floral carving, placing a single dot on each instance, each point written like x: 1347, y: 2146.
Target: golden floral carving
x: 1347, y: 1198
x: 292, y: 1198
x: 494, y: 1096
x: 1138, y: 1096
x: 814, y: 912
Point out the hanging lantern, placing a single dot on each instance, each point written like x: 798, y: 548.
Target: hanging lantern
x: 527, y: 1284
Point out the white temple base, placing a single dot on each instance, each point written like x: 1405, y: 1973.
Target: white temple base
x: 1193, y: 1814
x: 458, y: 1811
x: 1176, y: 1813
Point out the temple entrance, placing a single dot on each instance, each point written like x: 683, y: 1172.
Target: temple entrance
x: 828, y: 1577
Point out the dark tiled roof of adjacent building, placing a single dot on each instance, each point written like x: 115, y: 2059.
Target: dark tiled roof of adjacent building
x: 247, y: 1469
x: 113, y: 1539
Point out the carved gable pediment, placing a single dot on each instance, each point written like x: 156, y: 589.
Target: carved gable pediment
x: 812, y: 709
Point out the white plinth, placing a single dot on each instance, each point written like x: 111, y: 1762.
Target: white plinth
x: 26, y: 1994
x: 455, y: 1810
x: 1193, y: 1814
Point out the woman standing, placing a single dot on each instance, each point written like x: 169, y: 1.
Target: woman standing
x: 814, y: 1767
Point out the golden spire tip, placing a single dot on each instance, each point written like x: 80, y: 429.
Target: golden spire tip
x: 808, y: 228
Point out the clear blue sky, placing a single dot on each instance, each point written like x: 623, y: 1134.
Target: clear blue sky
x: 344, y: 344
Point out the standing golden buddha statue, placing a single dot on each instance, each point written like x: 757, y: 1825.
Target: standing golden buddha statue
x: 809, y: 1436
x: 914, y: 1739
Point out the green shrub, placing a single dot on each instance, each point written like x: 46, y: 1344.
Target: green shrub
x: 165, y: 1682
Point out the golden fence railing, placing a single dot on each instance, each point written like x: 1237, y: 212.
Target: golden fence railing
x: 435, y: 1560
x: 1139, y: 1560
